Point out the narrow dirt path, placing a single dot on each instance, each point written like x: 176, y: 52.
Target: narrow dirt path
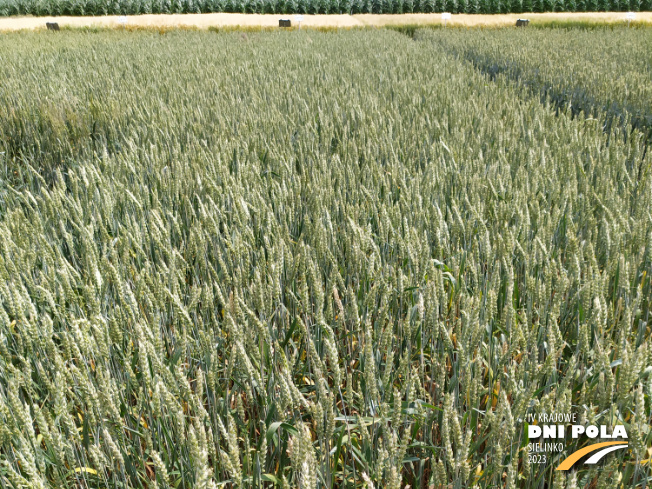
x: 204, y: 21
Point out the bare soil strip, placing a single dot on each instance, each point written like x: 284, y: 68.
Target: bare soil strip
x: 204, y: 21
x: 200, y: 21
x: 478, y: 20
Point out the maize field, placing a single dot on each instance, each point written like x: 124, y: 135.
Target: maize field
x: 303, y: 259
x: 136, y: 7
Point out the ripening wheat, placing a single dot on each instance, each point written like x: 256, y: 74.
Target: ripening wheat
x: 311, y: 260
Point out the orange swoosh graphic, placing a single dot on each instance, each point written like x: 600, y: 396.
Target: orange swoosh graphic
x: 575, y: 456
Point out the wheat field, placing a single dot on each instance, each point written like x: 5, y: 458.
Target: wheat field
x: 316, y: 260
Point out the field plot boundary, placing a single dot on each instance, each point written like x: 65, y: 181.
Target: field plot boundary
x: 574, y: 97
x: 503, y: 20
x: 247, y: 21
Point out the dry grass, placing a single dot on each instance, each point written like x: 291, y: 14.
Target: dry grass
x: 204, y: 21
x: 498, y: 20
x: 201, y: 21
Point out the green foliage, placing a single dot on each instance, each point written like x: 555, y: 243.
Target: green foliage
x: 610, y: 79
x: 316, y: 260
x: 135, y: 7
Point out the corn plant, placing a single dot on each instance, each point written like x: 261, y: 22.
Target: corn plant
x: 135, y: 7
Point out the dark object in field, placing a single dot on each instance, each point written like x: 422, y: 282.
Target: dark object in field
x: 52, y: 26
x: 284, y: 23
x: 522, y: 22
